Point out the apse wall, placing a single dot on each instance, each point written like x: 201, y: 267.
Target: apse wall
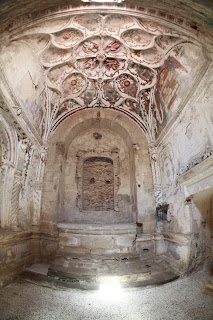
x: 97, y: 141
x: 124, y: 142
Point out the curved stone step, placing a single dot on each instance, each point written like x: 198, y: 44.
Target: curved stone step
x: 146, y: 272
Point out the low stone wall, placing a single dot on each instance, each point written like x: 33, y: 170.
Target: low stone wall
x: 93, y: 239
x: 16, y: 251
x: 173, y: 245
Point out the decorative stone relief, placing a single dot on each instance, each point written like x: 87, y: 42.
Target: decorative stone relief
x: 41, y: 156
x: 92, y: 60
x: 104, y: 60
x: 111, y: 61
x: 14, y: 208
x: 156, y: 174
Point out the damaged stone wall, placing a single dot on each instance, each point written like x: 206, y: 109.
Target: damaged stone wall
x: 25, y: 76
x: 98, y: 184
x: 70, y: 145
x: 18, y: 246
x: 111, y: 145
x: 186, y: 146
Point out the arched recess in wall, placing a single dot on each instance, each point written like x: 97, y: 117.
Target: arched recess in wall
x: 99, y: 132
x: 98, y: 187
x: 8, y: 153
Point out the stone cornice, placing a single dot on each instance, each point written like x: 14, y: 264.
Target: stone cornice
x: 27, y: 20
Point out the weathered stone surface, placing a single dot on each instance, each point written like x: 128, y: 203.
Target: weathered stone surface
x: 104, y: 117
x: 100, y: 240
x: 15, y: 253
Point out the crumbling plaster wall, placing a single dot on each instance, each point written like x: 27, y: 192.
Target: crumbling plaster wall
x: 187, y: 143
x: 20, y: 61
x: 76, y: 134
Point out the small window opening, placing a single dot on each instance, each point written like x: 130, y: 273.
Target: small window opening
x: 125, y: 259
x: 139, y: 228
x: 161, y: 212
x: 92, y: 180
x: 108, y: 181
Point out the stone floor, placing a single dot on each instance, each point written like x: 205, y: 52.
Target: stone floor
x: 91, y: 273
x: 182, y: 299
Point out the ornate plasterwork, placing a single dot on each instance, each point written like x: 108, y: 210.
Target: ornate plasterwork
x: 108, y: 61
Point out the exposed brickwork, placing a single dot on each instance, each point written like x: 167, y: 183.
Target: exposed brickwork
x: 98, y: 184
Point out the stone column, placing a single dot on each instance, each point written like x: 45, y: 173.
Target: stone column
x: 6, y: 182
x: 135, y: 150
x: 156, y: 174
x: 14, y: 208
x: 37, y: 187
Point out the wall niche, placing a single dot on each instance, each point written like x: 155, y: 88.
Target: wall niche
x: 96, y: 179
x: 97, y: 176
x: 98, y: 184
x: 69, y: 197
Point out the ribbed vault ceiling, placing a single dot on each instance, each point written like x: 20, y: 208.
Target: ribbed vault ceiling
x: 142, y: 66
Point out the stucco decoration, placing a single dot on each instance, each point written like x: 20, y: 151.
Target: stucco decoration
x: 109, y: 60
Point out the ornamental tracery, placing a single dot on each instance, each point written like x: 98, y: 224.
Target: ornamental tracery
x: 105, y: 60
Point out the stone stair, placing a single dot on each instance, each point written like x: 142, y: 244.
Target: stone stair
x: 90, y: 273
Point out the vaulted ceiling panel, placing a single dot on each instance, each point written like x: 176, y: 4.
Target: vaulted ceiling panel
x: 140, y: 67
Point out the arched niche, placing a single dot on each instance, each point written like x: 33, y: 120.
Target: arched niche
x: 97, y: 133
x: 98, y: 184
x: 97, y: 141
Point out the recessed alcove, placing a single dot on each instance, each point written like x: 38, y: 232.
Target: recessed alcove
x: 98, y: 202
x: 98, y: 184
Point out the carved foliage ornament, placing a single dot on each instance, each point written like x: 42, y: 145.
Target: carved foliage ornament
x: 111, y: 60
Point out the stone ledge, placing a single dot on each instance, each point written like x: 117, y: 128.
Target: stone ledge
x: 181, y: 239
x: 9, y: 237
x: 205, y: 167
x: 77, y: 228
x: 149, y: 236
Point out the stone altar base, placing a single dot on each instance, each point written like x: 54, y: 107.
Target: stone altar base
x: 88, y: 255
x: 83, y: 247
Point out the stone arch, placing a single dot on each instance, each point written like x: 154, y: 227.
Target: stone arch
x: 62, y: 162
